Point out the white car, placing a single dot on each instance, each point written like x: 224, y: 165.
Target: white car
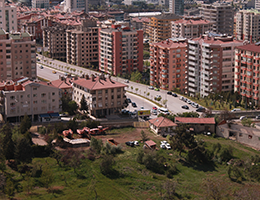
x: 162, y: 146
x: 164, y: 142
x: 168, y: 146
x: 242, y: 117
x: 150, y: 87
x: 136, y: 143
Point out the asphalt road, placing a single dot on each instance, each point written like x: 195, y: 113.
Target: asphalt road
x: 173, y: 103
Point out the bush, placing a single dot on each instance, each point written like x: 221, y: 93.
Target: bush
x: 171, y: 171
x: 96, y: 145
x: 106, y: 165
x: 140, y: 156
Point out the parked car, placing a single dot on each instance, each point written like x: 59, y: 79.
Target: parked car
x: 41, y: 67
x: 174, y: 94
x: 189, y: 101
x: 154, y: 112
x: 242, y: 117
x: 130, y: 143
x: 195, y: 105
x: 65, y: 74
x: 236, y: 109
x: 54, y: 72
x: 158, y: 96
x: 154, y: 108
x: 150, y: 87
x: 169, y: 92
x: 164, y: 111
x: 129, y: 100
x: 134, y: 104
x: 156, y: 89
x: 185, y: 107
x: 181, y: 98
x: 134, y: 112
x: 126, y: 81
x: 162, y: 146
x: 168, y: 146
x: 136, y: 143
x: 141, y: 107
x: 201, y: 109
x: 257, y: 117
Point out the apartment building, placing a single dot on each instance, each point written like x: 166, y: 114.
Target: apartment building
x: 257, y: 5
x: 103, y: 95
x: 40, y: 4
x: 168, y: 64
x: 140, y: 23
x: 190, y: 27
x: 210, y: 64
x: 120, y: 50
x: 160, y: 27
x: 176, y: 7
x: 54, y: 38
x: 76, y: 5
x: 248, y: 25
x: 17, y: 55
x: 222, y: 16
x: 82, y: 44
x: 8, y: 17
x: 247, y: 64
x: 25, y: 97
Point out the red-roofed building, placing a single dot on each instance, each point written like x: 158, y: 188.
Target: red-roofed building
x: 247, y: 69
x: 33, y: 98
x: 103, y: 95
x: 65, y: 86
x: 210, y: 64
x: 190, y: 27
x: 198, y: 124
x: 162, y: 126
x: 141, y: 23
x: 168, y: 62
x: 150, y: 144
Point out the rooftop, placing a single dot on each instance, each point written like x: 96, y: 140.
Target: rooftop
x: 250, y: 47
x: 62, y: 83
x: 169, y: 44
x: 193, y: 120
x: 162, y: 122
x: 167, y: 16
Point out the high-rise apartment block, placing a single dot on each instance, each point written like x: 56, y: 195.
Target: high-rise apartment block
x: 176, y: 7
x: 8, y: 17
x: 222, y: 16
x: 54, y: 38
x: 248, y: 25
x: 160, y: 27
x: 120, y: 50
x: 82, y: 44
x: 17, y: 55
x: 168, y: 64
x: 247, y: 72
x: 211, y: 64
x: 257, y: 5
x: 74, y: 5
x: 190, y: 27
x: 40, y: 3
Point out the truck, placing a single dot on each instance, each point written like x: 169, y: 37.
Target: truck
x: 144, y: 113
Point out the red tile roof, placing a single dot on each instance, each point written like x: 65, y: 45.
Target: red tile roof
x: 170, y: 44
x: 192, y: 120
x: 250, y: 47
x: 191, y: 21
x: 141, y: 19
x: 98, y: 84
x: 150, y: 143
x: 62, y: 84
x: 162, y: 122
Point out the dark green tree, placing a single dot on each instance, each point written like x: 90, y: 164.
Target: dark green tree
x: 7, y: 143
x: 23, y: 150
x: 9, y: 188
x: 65, y: 99
x: 83, y: 103
x: 73, y: 125
x: 25, y: 124
x: 144, y: 136
x: 72, y: 107
x: 96, y: 145
x: 106, y: 165
x: 47, y: 177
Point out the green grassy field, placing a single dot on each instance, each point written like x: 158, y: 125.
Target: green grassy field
x: 134, y: 181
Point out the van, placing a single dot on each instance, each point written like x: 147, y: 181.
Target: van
x: 236, y: 109
x: 164, y: 111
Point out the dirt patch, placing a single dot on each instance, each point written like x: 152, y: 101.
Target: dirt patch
x: 122, y: 137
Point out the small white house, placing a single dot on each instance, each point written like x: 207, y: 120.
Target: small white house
x: 162, y: 126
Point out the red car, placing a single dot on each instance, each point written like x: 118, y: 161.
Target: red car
x: 154, y: 108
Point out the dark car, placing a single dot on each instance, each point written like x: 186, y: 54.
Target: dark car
x: 185, y: 107
x: 169, y: 92
x: 201, y: 109
x: 174, y: 94
x: 134, y: 104
x: 129, y: 100
x: 130, y: 143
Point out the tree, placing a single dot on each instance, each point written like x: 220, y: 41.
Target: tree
x: 23, y: 150
x: 144, y: 137
x: 7, y: 144
x: 170, y: 189
x: 83, y: 103
x: 136, y: 89
x: 28, y: 182
x: 106, y: 165
x: 47, y: 177
x: 72, y: 107
x: 164, y: 101
x: 73, y: 125
x: 96, y: 145
x: 136, y: 76
x: 9, y: 188
x: 25, y: 124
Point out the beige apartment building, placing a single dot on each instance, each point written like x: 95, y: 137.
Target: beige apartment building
x: 39, y: 100
x: 17, y: 55
x: 8, y: 17
x: 160, y: 27
x: 190, y: 27
x: 82, y: 44
x: 54, y: 38
x: 210, y: 64
x: 103, y: 95
x: 168, y: 64
x: 222, y: 16
x: 248, y: 25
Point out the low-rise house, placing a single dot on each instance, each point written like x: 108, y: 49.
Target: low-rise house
x: 65, y: 86
x: 245, y: 135
x: 198, y: 124
x: 39, y: 100
x: 150, y: 144
x: 162, y: 126
x: 103, y: 95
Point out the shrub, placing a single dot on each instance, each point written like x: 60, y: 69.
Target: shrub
x: 106, y: 165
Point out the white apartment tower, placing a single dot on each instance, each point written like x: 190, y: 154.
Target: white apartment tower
x: 73, y: 5
x: 248, y: 25
x: 8, y: 19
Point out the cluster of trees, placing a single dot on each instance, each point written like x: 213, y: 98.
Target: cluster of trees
x: 71, y: 106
